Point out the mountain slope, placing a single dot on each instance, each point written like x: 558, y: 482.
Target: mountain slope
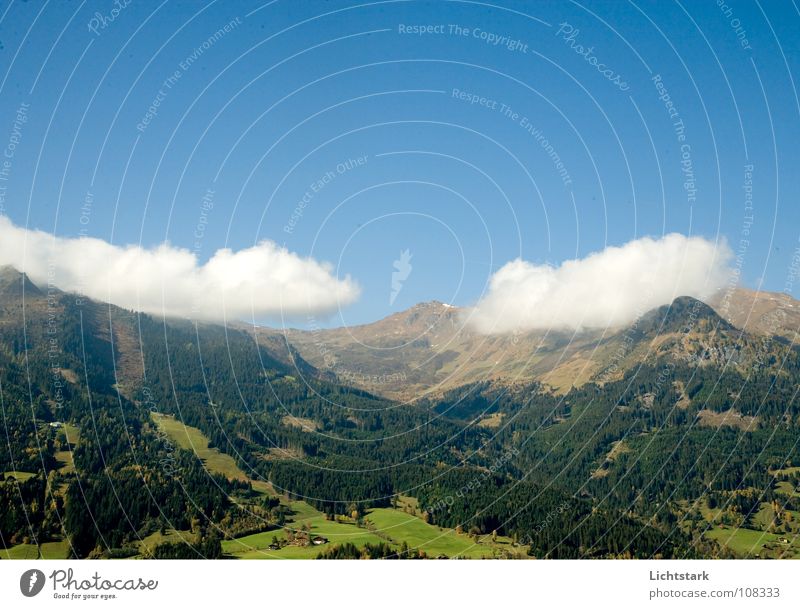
x: 761, y: 313
x: 14, y: 284
x: 87, y: 388
x: 429, y: 349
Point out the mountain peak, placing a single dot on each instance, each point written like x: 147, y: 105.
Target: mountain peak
x: 426, y: 314
x: 431, y: 305
x: 16, y: 283
x: 684, y: 314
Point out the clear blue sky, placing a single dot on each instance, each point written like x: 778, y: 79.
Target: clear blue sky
x: 296, y: 89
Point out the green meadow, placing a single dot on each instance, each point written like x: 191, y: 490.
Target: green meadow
x: 26, y: 551
x: 391, y: 526
x: 257, y: 545
x: 72, y: 436
x: 387, y: 525
x: 216, y: 462
x: 745, y: 542
x: 396, y: 527
x: 19, y: 476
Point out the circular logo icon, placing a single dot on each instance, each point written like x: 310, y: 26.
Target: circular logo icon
x: 31, y: 582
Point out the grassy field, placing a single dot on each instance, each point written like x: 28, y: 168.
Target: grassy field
x: 491, y: 421
x: 765, y: 517
x: 53, y: 549
x: 257, y: 545
x: 710, y: 514
x: 72, y: 435
x: 767, y: 534
x: 749, y: 543
x: 19, y: 476
x: 191, y: 438
x: 788, y: 471
x: 383, y: 525
x: 745, y: 542
x: 787, y: 488
x: 397, y: 526
x: 387, y: 525
x: 169, y: 536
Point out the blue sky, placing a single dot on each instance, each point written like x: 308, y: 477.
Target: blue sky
x: 559, y: 160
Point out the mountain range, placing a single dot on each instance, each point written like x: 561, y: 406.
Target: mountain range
x: 430, y: 348
x: 132, y: 435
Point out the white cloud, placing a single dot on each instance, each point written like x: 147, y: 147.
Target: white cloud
x: 263, y: 280
x: 608, y: 288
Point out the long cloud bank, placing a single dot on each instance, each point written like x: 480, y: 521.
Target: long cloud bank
x: 605, y: 289
x: 263, y: 280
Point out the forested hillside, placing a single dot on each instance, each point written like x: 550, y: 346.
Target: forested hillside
x: 126, y: 434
